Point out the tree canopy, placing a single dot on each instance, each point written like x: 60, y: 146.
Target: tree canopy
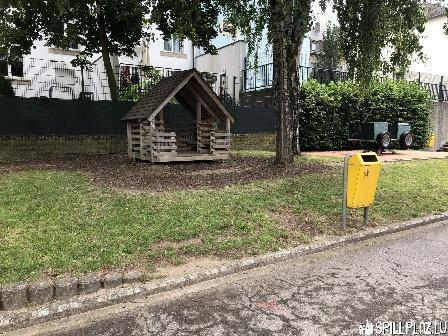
x: 370, y: 27
x: 331, y: 54
x: 286, y: 21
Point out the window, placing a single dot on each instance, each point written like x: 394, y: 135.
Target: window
x: 73, y: 45
x: 17, y: 69
x: 173, y: 44
x: 11, y: 69
x: 70, y: 45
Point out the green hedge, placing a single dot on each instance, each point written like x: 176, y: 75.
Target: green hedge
x: 327, y: 110
x: 6, y: 87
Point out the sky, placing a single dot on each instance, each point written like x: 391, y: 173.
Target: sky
x: 324, y: 17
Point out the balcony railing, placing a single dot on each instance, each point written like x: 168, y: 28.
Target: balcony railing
x: 262, y: 76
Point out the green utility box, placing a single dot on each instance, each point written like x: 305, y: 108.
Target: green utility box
x: 371, y: 130
x: 397, y: 129
x: 382, y: 134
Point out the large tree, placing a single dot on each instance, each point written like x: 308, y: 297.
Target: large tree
x: 367, y: 27
x: 108, y: 27
x: 287, y: 22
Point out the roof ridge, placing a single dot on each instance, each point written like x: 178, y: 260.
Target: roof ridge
x: 159, y: 96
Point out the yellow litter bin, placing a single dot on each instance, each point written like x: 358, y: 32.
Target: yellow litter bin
x: 361, y: 175
x: 362, y: 180
x: 431, y: 140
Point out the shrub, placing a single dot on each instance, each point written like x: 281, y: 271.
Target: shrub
x: 6, y: 87
x: 328, y: 109
x: 135, y: 92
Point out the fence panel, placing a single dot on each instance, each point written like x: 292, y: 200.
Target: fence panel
x: 43, y: 117
x: 59, y: 79
x: 262, y: 76
x: 436, y: 85
x: 21, y: 116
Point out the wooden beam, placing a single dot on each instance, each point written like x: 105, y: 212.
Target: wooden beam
x: 153, y: 129
x: 142, y: 153
x: 198, y: 111
x: 207, y: 88
x: 129, y: 127
x: 228, y: 125
x: 171, y: 96
x: 199, y: 98
x: 161, y: 115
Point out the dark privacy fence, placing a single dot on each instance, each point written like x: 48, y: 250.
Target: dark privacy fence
x: 21, y: 116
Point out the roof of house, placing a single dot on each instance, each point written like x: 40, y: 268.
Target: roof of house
x: 433, y: 10
x: 188, y: 87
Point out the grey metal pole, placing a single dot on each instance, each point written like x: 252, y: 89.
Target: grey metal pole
x: 441, y: 89
x: 234, y: 90
x: 344, y: 197
x: 366, y: 216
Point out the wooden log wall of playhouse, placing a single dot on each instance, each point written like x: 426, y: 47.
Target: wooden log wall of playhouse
x: 208, y: 138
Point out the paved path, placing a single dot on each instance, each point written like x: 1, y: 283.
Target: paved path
x: 400, y: 155
x: 401, y: 277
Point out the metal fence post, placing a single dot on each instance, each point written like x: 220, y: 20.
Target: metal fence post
x: 234, y: 90
x: 441, y: 89
x: 255, y: 79
x: 344, y: 197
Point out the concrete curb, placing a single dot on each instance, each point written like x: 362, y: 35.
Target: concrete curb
x: 21, y: 295
x: 11, y: 320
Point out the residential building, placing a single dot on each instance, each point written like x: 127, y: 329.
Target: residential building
x: 235, y: 64
x: 47, y: 71
x: 316, y: 39
x: 434, y: 42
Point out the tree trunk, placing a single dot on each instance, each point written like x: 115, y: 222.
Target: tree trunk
x: 295, y: 99
x: 285, y: 83
x: 104, y: 42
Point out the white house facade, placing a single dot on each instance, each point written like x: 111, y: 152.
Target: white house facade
x: 434, y: 42
x: 234, y: 63
x: 47, y: 72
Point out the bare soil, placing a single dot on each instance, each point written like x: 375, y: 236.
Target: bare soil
x: 120, y: 172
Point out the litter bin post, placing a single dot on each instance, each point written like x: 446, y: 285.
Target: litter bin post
x: 361, y: 175
x: 344, y: 202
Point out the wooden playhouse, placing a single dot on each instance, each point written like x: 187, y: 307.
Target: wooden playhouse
x: 152, y: 136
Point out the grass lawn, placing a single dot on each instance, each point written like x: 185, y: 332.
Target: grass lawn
x: 57, y: 221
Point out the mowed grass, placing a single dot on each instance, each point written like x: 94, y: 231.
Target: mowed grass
x: 55, y: 222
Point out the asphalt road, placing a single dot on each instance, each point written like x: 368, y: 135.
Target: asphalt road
x: 403, y: 277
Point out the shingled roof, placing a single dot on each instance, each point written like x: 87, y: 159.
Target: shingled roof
x: 187, y: 87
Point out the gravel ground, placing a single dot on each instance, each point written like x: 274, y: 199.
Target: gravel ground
x: 120, y: 172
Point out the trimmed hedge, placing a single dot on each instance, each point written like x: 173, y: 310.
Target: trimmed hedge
x: 328, y: 109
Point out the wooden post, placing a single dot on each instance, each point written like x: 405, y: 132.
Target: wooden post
x: 229, y: 132
x: 129, y: 126
x: 227, y: 125
x: 152, y: 125
x: 142, y: 137
x: 198, y: 112
x: 198, y: 128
